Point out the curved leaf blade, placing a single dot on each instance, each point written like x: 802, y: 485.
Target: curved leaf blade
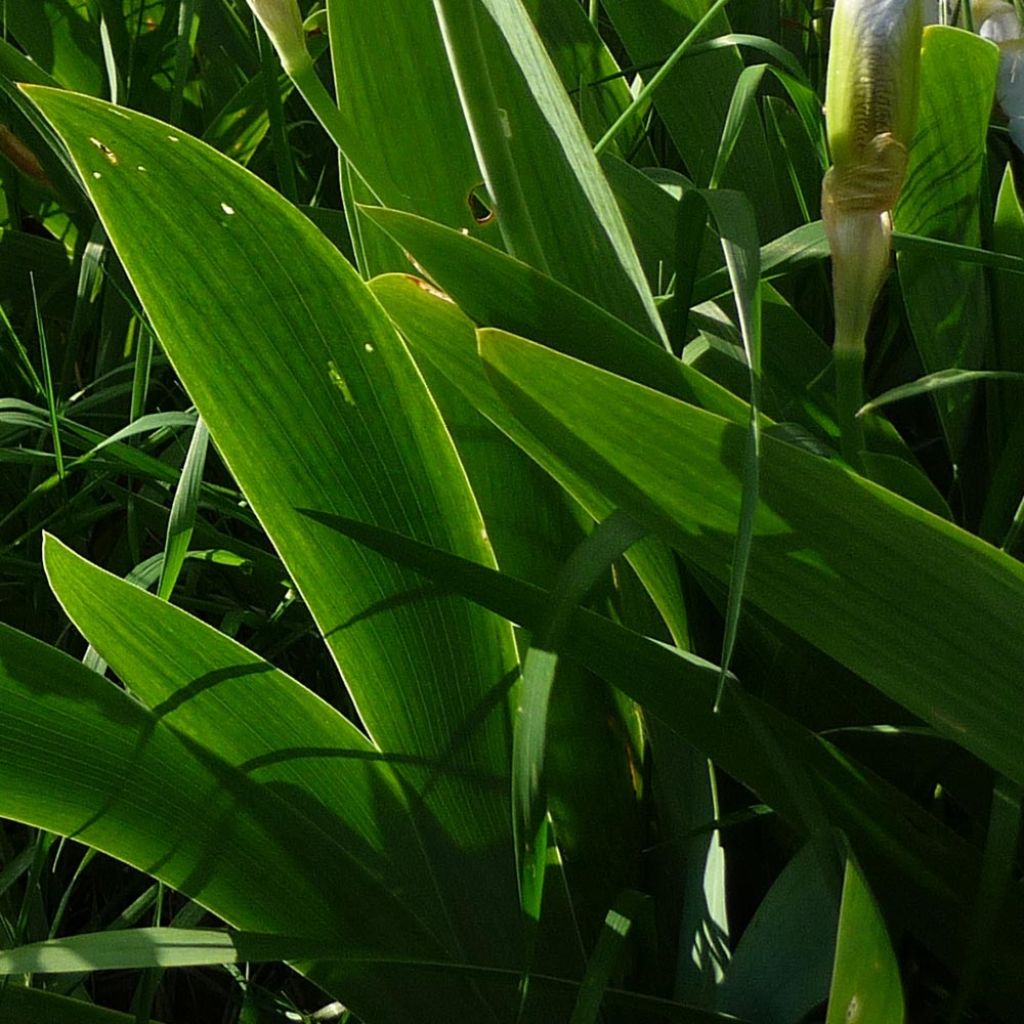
x: 256, y: 718
x: 832, y: 554
x: 85, y: 760
x: 941, y: 199
x: 311, y: 399
x: 866, y: 977
x: 20, y: 1005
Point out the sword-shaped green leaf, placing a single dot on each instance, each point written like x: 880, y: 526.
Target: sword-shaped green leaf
x: 877, y: 583
x: 313, y: 401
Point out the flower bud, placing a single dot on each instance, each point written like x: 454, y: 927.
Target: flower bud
x: 282, y: 22
x: 1010, y: 88
x: 995, y: 20
x: 871, y: 99
x: 871, y: 112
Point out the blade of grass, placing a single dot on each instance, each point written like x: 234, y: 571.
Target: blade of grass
x: 607, y: 542
x: 183, y: 510
x: 743, y: 100
x: 938, y: 381
x: 48, y: 388
x: 27, y: 370
x: 737, y: 229
x: 607, y: 956
x: 643, y: 97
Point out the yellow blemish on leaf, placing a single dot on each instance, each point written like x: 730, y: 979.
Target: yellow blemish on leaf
x: 338, y: 380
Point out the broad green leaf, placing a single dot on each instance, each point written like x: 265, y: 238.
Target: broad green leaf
x: 866, y: 978
x: 83, y: 759
x: 496, y: 290
x: 831, y: 555
x: 447, y: 341
x: 390, y: 69
x: 312, y: 400
x: 63, y: 39
x: 179, y: 947
x: 941, y: 200
x: 20, y: 1005
x: 201, y: 683
x: 780, y: 969
x: 554, y: 206
x: 925, y: 862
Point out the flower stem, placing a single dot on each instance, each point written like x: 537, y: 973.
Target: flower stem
x: 849, y: 363
x: 326, y: 111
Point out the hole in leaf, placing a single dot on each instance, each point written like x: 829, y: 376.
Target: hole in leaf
x: 480, y: 205
x: 104, y: 149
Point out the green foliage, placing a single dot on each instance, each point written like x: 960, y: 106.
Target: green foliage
x: 430, y: 585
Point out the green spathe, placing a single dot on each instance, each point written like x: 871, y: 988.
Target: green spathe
x: 282, y: 22
x: 870, y: 113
